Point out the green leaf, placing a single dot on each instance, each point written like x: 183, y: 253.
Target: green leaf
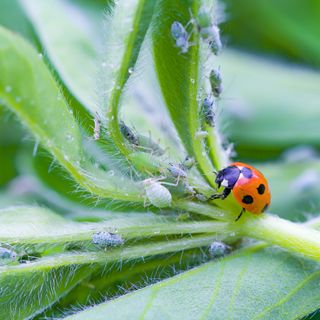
x: 13, y: 18
x: 241, y: 286
x: 37, y: 285
x: 273, y: 28
x: 26, y: 86
x: 264, y: 117
x: 25, y: 293
x: 125, y: 41
x: 294, y: 188
x: 72, y: 44
x: 179, y: 77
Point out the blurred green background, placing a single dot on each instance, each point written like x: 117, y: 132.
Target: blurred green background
x: 269, y: 110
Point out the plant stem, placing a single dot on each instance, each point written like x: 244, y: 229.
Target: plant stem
x: 218, y: 156
x: 132, y: 252
x: 159, y: 230
x: 203, y: 209
x: 203, y: 161
x: 286, y: 234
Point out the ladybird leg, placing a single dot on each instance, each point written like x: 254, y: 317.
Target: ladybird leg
x: 239, y: 216
x: 222, y: 195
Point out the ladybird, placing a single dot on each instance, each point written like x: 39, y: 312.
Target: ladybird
x: 248, y: 185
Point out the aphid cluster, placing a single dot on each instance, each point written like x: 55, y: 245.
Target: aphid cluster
x: 204, y: 25
x: 107, y: 239
x: 208, y: 30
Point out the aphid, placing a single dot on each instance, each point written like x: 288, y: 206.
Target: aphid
x: 107, y: 239
x: 187, y: 163
x: 97, y: 127
x: 177, y: 171
x: 146, y: 144
x: 181, y: 36
x: 7, y: 256
x: 218, y: 249
x: 248, y: 185
x: 215, y: 82
x: 208, y: 30
x: 157, y: 194
x: 128, y: 134
x: 207, y: 110
x: 215, y: 41
x: 200, y: 134
x: 201, y: 197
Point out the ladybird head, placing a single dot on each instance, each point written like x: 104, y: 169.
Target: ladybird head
x: 228, y: 177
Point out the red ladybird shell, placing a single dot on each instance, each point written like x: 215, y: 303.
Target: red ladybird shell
x: 253, y: 193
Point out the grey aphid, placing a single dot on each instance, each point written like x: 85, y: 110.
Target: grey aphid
x: 207, y: 110
x: 215, y: 41
x: 177, y: 171
x: 201, y: 197
x: 181, y: 36
x: 215, y: 82
x: 218, y: 249
x: 107, y: 239
x: 7, y: 256
x: 128, y: 134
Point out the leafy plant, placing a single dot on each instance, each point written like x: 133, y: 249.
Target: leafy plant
x: 131, y: 174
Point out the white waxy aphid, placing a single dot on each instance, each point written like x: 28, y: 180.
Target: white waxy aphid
x: 7, y: 256
x: 97, y: 126
x: 107, y: 239
x: 218, y: 249
x: 201, y: 134
x: 157, y: 194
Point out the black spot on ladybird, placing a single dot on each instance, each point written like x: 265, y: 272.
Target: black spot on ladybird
x: 261, y: 189
x: 247, y: 199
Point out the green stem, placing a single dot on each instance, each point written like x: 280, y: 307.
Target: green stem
x: 133, y: 252
x: 204, y: 209
x: 286, y: 234
x: 203, y: 161
x: 155, y: 230
x: 217, y: 155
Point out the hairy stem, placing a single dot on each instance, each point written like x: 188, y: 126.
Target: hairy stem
x: 133, y: 252
x: 286, y: 234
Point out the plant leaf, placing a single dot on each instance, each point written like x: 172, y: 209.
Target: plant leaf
x: 126, y: 41
x: 25, y: 293
x: 179, y: 77
x: 269, y: 117
x: 12, y: 17
x: 26, y: 86
x: 241, y: 286
x: 39, y: 284
x: 273, y: 28
x: 75, y: 54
